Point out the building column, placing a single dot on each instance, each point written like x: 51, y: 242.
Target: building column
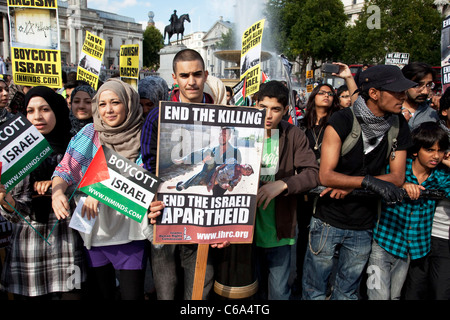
x: 80, y: 40
x: 6, y: 48
x: 73, y: 41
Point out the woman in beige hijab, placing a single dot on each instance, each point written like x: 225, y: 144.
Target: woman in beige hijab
x: 116, y: 243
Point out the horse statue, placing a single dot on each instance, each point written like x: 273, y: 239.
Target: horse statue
x: 177, y: 27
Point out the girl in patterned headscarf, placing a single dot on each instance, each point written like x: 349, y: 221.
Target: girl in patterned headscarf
x: 152, y: 90
x: 81, y: 107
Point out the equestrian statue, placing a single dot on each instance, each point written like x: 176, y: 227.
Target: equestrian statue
x: 176, y: 26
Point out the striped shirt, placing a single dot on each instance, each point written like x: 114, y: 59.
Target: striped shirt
x: 405, y: 228
x: 111, y: 227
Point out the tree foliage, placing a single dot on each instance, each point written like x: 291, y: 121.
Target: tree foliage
x: 153, y: 42
x: 412, y: 26
x: 307, y: 29
x: 228, y: 41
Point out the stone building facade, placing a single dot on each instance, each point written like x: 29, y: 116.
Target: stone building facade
x: 75, y: 18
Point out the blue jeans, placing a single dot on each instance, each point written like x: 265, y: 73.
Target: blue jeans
x: 386, y: 274
x: 272, y: 270
x: 318, y: 264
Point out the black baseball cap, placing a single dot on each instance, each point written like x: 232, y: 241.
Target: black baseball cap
x: 386, y: 78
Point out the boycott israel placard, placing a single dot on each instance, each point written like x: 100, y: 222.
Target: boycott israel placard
x: 209, y: 159
x: 22, y: 149
x: 120, y: 184
x: 91, y: 58
x: 251, y: 57
x: 35, y: 43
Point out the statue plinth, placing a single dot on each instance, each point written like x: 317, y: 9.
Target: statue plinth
x: 166, y: 56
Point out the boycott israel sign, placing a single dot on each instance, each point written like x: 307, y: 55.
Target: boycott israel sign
x: 22, y: 149
x: 35, y: 43
x: 120, y: 184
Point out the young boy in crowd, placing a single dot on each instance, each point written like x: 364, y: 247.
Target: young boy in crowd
x: 439, y: 257
x: 402, y: 236
x: 289, y: 167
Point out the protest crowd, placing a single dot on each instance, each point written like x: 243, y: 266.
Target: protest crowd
x: 356, y: 207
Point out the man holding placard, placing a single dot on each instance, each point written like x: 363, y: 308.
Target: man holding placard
x: 190, y: 75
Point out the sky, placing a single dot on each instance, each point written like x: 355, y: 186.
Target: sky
x: 203, y: 13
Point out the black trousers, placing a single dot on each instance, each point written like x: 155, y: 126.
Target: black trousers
x: 429, y: 277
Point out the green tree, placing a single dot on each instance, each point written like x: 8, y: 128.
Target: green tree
x: 412, y: 26
x: 307, y: 30
x: 228, y: 41
x: 153, y: 42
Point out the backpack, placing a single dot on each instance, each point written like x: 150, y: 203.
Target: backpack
x: 354, y: 135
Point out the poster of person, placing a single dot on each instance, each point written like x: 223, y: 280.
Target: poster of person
x: 445, y: 53
x: 209, y: 161
x: 251, y: 57
x: 91, y: 59
x: 129, y: 64
x: 35, y: 43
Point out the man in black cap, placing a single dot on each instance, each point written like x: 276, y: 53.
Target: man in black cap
x: 346, y: 221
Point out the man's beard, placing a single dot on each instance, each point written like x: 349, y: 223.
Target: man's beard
x: 417, y: 100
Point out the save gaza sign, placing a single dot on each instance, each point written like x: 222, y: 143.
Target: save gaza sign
x: 22, y: 149
x: 120, y: 184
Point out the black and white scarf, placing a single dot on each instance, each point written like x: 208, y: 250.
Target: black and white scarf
x: 373, y: 127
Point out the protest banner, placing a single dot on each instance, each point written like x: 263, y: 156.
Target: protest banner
x: 35, y: 43
x: 309, y: 81
x: 91, y: 59
x: 239, y: 93
x: 120, y: 184
x: 397, y: 59
x: 209, y: 160
x: 22, y: 149
x: 288, y: 69
x: 129, y: 64
x: 251, y: 57
x: 445, y: 53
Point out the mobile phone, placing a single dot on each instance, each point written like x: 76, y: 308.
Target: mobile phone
x: 330, y: 68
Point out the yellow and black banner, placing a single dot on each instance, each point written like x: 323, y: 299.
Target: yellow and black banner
x: 35, y: 45
x: 129, y: 64
x: 91, y: 59
x: 251, y: 57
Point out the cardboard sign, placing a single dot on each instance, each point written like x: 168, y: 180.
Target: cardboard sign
x: 251, y: 57
x: 209, y: 159
x: 91, y: 59
x: 35, y: 43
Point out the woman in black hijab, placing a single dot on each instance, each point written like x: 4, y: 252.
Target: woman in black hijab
x: 46, y: 254
x: 40, y: 103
